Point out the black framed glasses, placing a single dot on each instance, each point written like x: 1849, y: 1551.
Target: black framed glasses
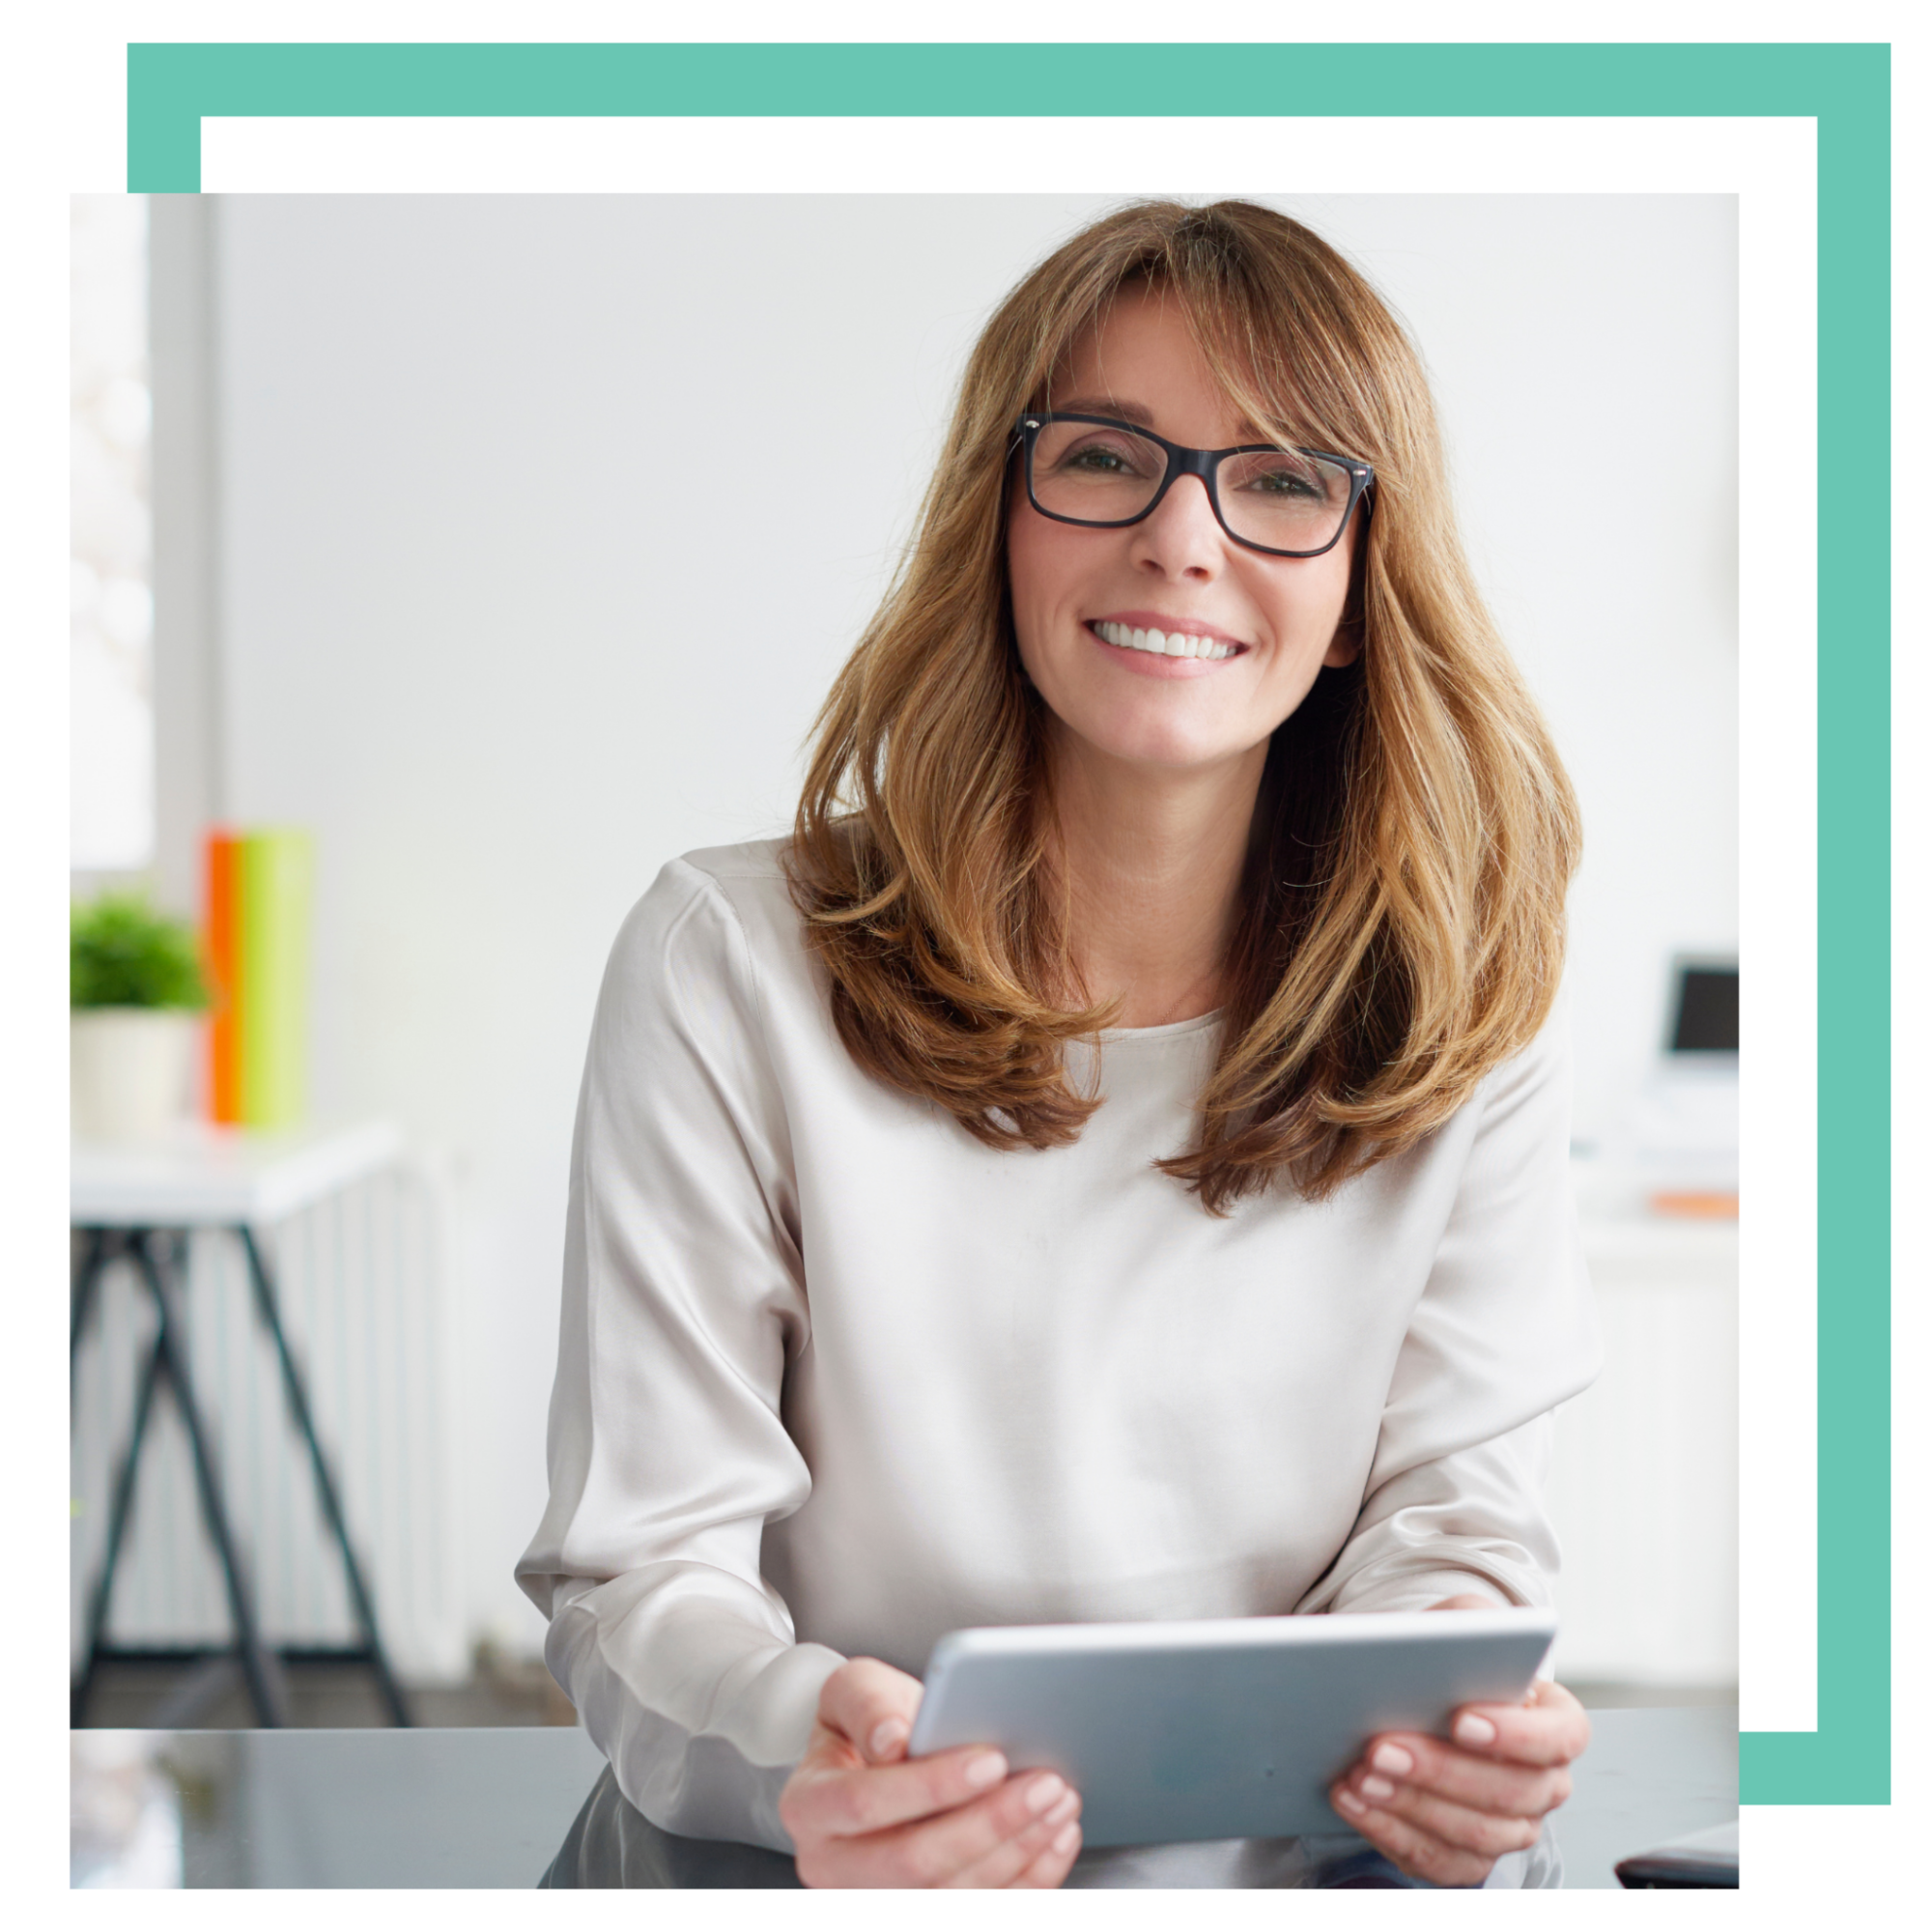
x: 1107, y: 473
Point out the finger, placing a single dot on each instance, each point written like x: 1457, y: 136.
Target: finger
x: 872, y: 1705
x: 1407, y: 1761
x: 1487, y: 1833
x: 1414, y: 1850
x: 947, y: 1850
x: 1053, y: 1807
x: 938, y: 1851
x: 847, y: 1801
x: 1050, y: 1868
x: 1551, y: 1728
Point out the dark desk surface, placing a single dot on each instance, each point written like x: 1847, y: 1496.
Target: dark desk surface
x: 490, y: 1808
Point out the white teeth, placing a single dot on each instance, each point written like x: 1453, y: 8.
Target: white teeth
x: 1168, y: 643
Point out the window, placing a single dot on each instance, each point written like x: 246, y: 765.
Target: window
x: 112, y: 799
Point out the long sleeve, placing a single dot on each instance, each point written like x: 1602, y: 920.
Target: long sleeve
x: 1024, y: 1387
x: 683, y: 1302
x: 1505, y: 1330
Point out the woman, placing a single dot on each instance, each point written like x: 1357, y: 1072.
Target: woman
x: 1111, y: 1161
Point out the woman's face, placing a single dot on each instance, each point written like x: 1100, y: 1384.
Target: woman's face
x: 1178, y: 570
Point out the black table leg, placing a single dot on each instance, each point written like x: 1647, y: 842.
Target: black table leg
x: 257, y: 1670
x: 365, y: 1610
x: 117, y: 1524
x: 95, y: 1258
x: 147, y: 1249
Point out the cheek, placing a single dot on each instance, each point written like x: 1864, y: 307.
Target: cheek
x: 1024, y: 565
x: 1046, y: 562
x: 1307, y: 609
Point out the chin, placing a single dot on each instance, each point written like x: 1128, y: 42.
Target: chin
x: 1162, y: 748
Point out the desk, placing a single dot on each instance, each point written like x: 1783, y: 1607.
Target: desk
x: 141, y: 1203
x: 487, y: 1808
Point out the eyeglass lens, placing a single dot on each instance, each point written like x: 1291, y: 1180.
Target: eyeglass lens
x: 1282, y: 499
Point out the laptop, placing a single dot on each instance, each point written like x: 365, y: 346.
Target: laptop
x: 1699, y: 1858
x: 1687, y: 1126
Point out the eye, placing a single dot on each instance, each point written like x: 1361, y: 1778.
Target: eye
x: 1289, y: 478
x: 1098, y: 456
x: 1097, y: 459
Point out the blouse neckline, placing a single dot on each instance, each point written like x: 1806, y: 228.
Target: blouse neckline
x: 1173, y: 1030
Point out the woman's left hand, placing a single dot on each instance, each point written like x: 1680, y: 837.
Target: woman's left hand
x: 1446, y: 1812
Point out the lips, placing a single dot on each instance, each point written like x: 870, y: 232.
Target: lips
x: 1152, y: 652
x: 1156, y: 642
x: 1169, y: 622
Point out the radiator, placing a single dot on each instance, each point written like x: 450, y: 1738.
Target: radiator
x: 363, y: 1285
x: 1643, y: 1488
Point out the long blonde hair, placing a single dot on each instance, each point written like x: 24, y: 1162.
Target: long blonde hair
x: 1400, y: 929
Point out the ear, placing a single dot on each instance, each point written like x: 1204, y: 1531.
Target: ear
x: 1352, y: 630
x: 1343, y: 647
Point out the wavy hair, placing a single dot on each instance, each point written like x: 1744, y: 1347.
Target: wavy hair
x: 1401, y: 925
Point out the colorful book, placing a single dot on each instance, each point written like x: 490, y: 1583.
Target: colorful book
x: 259, y: 889
x: 222, y: 964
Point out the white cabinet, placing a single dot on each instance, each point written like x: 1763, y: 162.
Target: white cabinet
x: 1643, y: 1486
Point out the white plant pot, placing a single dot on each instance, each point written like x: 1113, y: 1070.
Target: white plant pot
x: 127, y: 1070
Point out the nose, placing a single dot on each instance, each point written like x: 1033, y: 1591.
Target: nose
x: 1182, y: 540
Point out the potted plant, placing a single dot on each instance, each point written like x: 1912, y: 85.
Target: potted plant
x: 134, y: 987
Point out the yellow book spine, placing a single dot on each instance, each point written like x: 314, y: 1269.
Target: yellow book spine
x: 278, y: 873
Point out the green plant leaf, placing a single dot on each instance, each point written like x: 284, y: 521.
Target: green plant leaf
x: 122, y: 954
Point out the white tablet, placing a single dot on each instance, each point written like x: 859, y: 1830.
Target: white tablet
x: 1225, y: 1729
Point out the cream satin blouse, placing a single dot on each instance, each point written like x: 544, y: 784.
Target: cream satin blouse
x: 835, y: 1379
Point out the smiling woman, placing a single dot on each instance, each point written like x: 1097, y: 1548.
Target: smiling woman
x: 1371, y: 849
x: 1111, y: 1161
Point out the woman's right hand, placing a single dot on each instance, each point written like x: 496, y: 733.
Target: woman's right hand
x: 863, y: 1813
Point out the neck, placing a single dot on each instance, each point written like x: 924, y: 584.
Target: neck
x: 1149, y: 862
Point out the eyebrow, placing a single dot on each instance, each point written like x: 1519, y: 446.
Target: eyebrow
x: 1107, y: 405
x: 1136, y: 413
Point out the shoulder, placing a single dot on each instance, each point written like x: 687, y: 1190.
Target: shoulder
x: 703, y: 896
x: 757, y: 863
x: 718, y: 916
x: 749, y: 879
x: 1539, y: 1065
x: 684, y: 1022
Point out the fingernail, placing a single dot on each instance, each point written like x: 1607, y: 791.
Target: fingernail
x: 1350, y: 1803
x: 1067, y: 1840
x: 988, y: 1768
x: 1043, y: 1791
x: 1377, y: 1788
x: 1393, y: 1759
x: 1471, y: 1729
x: 887, y: 1738
x: 1070, y: 1802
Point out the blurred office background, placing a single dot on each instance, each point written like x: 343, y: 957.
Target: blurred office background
x: 449, y: 560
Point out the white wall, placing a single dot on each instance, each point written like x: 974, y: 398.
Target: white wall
x: 498, y: 625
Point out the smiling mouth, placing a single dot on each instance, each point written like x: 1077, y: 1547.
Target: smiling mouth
x: 1164, y: 643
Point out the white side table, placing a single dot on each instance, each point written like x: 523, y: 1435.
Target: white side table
x: 1643, y: 1487
x: 141, y: 1203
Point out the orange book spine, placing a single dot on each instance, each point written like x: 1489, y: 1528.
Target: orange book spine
x: 223, y: 945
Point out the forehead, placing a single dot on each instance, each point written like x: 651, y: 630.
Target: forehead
x: 1139, y: 359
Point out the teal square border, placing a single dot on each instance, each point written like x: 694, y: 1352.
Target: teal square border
x: 1846, y: 89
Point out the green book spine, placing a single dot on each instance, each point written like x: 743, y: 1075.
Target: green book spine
x: 277, y: 870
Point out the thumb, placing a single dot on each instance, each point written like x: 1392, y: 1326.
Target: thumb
x: 871, y: 1705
